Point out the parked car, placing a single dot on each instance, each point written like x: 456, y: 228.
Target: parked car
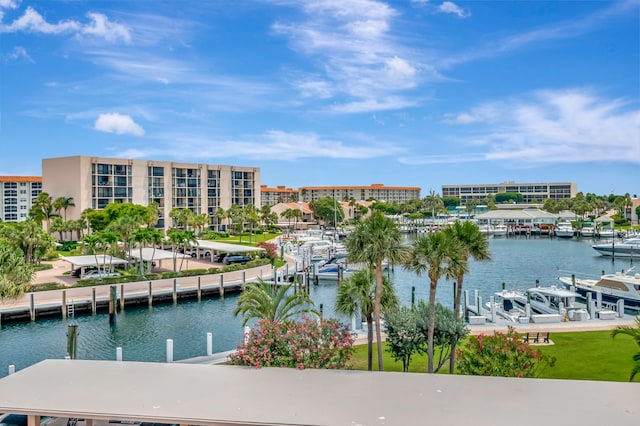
x: 21, y: 420
x: 194, y: 253
x: 236, y: 258
x: 219, y: 258
x: 102, y: 274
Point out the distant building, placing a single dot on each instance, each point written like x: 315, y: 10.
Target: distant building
x: 94, y: 182
x: 530, y: 191
x: 279, y: 194
x: 376, y: 191
x: 18, y: 193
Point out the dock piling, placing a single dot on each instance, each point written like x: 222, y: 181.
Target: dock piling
x: 209, y: 344
x: 113, y: 300
x: 121, y: 297
x: 118, y: 353
x: 12, y: 369
x: 221, y: 281
x: 72, y: 341
x: 150, y: 297
x: 169, y: 350
x: 199, y: 291
x: 64, y: 304
x: 32, y: 306
x: 175, y: 291
x: 93, y: 301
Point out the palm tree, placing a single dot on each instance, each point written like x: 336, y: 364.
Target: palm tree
x: 474, y: 244
x: 356, y: 295
x: 635, y: 334
x: 43, y: 210
x: 221, y: 214
x: 15, y: 273
x: 373, y: 241
x: 434, y: 202
x: 142, y: 236
x: 91, y: 243
x: 439, y: 256
x: 63, y: 203
x: 263, y: 300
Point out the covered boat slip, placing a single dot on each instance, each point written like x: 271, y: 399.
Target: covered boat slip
x: 99, y: 391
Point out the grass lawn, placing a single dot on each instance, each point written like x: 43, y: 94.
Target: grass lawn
x: 586, y: 355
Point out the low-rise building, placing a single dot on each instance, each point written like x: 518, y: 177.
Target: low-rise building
x: 279, y: 194
x: 376, y: 191
x: 17, y: 196
x: 531, y: 192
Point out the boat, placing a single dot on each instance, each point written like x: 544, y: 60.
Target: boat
x: 613, y: 287
x: 500, y: 231
x: 547, y: 300
x: 629, y: 247
x: 509, y: 304
x: 588, y: 230
x: 606, y: 232
x: 564, y: 230
x: 333, y: 270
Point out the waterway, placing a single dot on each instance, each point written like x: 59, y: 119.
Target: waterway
x: 142, y: 332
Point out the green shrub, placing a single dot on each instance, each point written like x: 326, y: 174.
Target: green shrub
x: 42, y: 267
x: 46, y: 286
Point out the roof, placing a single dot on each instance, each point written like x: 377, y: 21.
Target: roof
x: 93, y: 260
x: 200, y: 394
x: 373, y: 186
x: 517, y: 214
x: 226, y: 247
x: 148, y: 253
x: 297, y: 206
x: 20, y: 178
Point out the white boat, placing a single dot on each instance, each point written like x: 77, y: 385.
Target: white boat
x: 547, y: 300
x: 509, y: 304
x: 605, y: 232
x: 333, y: 270
x: 500, y: 231
x: 588, y: 230
x: 627, y: 248
x: 564, y: 230
x: 621, y: 285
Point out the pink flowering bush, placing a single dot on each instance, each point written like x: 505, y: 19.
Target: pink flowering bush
x: 302, y: 344
x: 504, y: 355
x: 270, y: 250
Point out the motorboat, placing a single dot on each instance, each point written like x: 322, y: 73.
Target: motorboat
x: 613, y: 287
x: 334, y: 271
x: 606, y: 232
x: 629, y: 247
x: 564, y: 230
x: 588, y: 230
x: 548, y: 300
x: 509, y: 304
x: 500, y: 231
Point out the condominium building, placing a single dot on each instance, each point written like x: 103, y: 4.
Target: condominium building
x: 94, y: 182
x: 16, y: 198
x: 376, y: 191
x: 279, y: 194
x: 530, y: 191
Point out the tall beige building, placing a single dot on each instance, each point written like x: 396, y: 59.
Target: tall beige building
x: 16, y: 198
x: 376, y: 191
x: 94, y: 182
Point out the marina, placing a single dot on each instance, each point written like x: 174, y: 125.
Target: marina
x: 141, y: 331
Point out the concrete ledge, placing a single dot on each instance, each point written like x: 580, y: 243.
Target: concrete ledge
x: 477, y: 320
x: 523, y: 320
x: 607, y: 315
x: 546, y: 318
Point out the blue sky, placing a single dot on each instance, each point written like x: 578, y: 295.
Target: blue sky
x: 330, y: 92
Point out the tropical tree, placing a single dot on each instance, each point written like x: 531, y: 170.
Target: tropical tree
x: 403, y: 336
x: 373, y: 241
x: 15, y: 272
x: 262, y: 300
x: 440, y: 257
x: 43, y: 209
x: 142, y: 236
x: 434, y: 202
x: 634, y: 333
x: 90, y: 244
x: 63, y: 203
x: 125, y: 226
x: 357, y: 295
x: 251, y: 215
x: 221, y: 215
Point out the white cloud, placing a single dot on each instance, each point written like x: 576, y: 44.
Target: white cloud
x: 555, y: 126
x: 99, y: 26
x: 357, y: 54
x: 450, y: 7
x: 271, y: 145
x: 118, y: 124
x: 18, y: 52
x: 9, y: 4
x: 372, y: 105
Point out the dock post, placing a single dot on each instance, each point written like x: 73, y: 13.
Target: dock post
x: 561, y: 310
x: 353, y: 323
x: 150, y: 298
x: 620, y: 306
x: 244, y: 280
x: 492, y: 303
x: 199, y: 291
x: 64, y: 304
x: 113, y: 301
x: 591, y: 313
x: 175, y: 291
x: 121, y: 297
x: 12, y: 369
x: 169, y: 350
x: 274, y: 275
x: 527, y: 310
x: 247, y: 331
x: 480, y: 308
x: 118, y: 353
x: 465, y: 294
x: 209, y: 344
x: 599, y: 300
x: 321, y: 313
x: 316, y: 279
x: 413, y: 296
x: 72, y: 341
x: 93, y: 301
x: 476, y: 293
x: 221, y: 281
x: 32, y: 306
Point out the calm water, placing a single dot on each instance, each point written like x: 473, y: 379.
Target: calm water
x: 142, y: 332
